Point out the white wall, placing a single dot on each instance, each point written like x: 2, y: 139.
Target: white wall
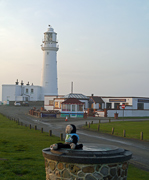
x: 134, y: 102
x: 18, y: 92
x: 128, y: 113
x: 36, y: 95
x: 8, y: 92
x: 101, y: 113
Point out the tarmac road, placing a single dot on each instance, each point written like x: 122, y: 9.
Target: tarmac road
x: 140, y: 149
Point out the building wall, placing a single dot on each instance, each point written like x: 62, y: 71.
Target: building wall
x: 35, y: 95
x: 47, y: 105
x: 8, y: 92
x: 128, y: 113
x: 120, y: 100
x: 18, y: 93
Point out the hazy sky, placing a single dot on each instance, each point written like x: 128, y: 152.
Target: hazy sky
x: 104, y: 44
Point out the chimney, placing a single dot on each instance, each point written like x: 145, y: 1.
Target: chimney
x: 17, y: 82
x: 22, y: 83
x: 72, y: 87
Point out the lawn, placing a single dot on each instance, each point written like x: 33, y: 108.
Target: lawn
x: 132, y: 129
x: 21, y: 153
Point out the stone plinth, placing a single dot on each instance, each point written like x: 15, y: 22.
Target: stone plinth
x: 100, y: 162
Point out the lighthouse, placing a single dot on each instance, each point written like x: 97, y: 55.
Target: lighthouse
x: 49, y: 69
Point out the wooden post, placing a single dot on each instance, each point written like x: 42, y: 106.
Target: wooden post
x: 86, y: 124
x: 113, y: 130
x: 109, y: 120
x: 124, y: 133
x: 141, y: 135
x: 41, y: 130
x: 89, y: 124
x: 92, y: 122
x: 61, y: 137
x: 30, y: 126
x: 98, y: 127
x: 35, y: 127
x: 99, y: 121
x: 50, y: 132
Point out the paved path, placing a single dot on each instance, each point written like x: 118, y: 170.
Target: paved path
x: 140, y: 149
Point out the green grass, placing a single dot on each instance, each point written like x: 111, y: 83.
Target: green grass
x: 133, y: 129
x: 137, y: 174
x: 20, y: 149
x: 144, y: 117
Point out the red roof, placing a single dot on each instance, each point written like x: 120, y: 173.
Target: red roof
x: 72, y: 101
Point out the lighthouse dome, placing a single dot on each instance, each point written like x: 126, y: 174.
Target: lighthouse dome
x: 50, y: 29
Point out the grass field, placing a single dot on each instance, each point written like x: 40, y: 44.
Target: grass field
x: 21, y: 151
x: 21, y: 157
x: 144, y: 117
x: 133, y: 129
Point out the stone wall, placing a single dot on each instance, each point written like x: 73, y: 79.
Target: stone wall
x: 68, y: 171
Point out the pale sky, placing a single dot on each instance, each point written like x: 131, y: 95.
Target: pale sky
x: 103, y: 44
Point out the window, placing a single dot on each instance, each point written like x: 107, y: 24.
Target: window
x: 73, y: 107
x: 116, y: 105
x: 56, y: 104
x: 100, y: 106
x: 51, y: 102
x: 79, y: 107
x: 32, y: 90
x: 68, y: 107
x: 108, y: 105
x: 140, y: 105
x: 64, y: 107
x: 26, y: 90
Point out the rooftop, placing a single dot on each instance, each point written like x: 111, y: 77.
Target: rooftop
x: 77, y: 96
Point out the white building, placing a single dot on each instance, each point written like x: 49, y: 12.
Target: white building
x: 134, y: 106
x: 21, y: 92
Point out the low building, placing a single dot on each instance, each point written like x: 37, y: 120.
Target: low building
x: 96, y: 103
x: 72, y: 107
x: 134, y: 106
x: 54, y: 102
x: 21, y: 92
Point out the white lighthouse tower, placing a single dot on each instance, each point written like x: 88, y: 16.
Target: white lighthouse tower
x: 49, y: 70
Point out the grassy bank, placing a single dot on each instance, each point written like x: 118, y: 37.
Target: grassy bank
x: 133, y: 129
x: 21, y: 151
x: 21, y: 157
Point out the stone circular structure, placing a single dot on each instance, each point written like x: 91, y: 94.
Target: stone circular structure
x: 94, y: 162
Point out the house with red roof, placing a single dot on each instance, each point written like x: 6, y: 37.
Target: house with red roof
x: 72, y: 107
